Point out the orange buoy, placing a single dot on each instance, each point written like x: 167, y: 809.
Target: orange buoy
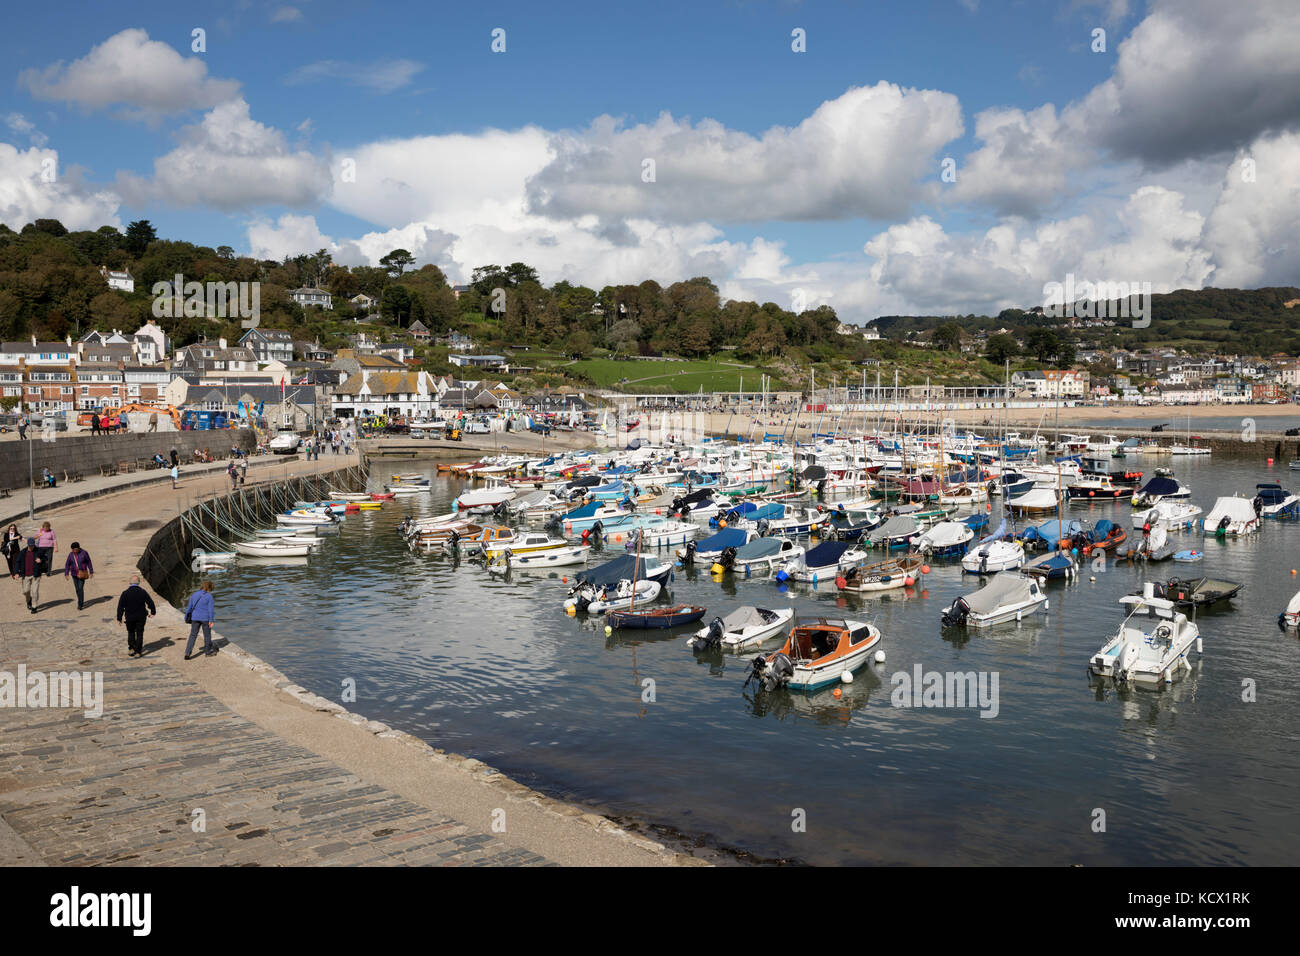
x: 925, y: 569
x: 722, y: 523
x: 564, y: 579
x: 840, y: 580
x: 837, y: 693
x: 909, y: 581
x: 618, y: 539
x: 1091, y: 493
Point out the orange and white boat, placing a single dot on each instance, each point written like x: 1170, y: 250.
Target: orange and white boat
x: 819, y: 651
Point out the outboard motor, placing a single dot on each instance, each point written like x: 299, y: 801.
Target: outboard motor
x: 597, y: 531
x: 453, y: 540
x: 499, y: 510
x: 1222, y: 528
x: 778, y: 673
x: 763, y: 527
x: 727, y: 558
x: 688, y: 557
x: 1258, y: 503
x: 713, y: 639
x: 678, y: 504
x: 956, y: 614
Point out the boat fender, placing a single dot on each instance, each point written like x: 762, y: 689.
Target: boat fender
x: 1018, y: 615
x: 840, y: 581
x: 1047, y: 605
x: 880, y: 657
x: 1198, y: 645
x: 717, y: 568
x: 847, y: 677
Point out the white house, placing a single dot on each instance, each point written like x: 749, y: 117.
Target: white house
x: 409, y: 393
x: 151, y: 341
x: 121, y: 281
x: 1051, y: 383
x: 310, y: 295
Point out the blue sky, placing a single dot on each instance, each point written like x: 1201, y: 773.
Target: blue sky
x: 317, y: 81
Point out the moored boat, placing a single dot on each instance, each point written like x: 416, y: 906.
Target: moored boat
x: 1006, y: 597
x: 818, y: 652
x: 743, y: 628
x: 1152, y: 644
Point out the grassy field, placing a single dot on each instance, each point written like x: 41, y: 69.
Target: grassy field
x: 665, y: 377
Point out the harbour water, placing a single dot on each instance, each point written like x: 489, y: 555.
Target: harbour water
x: 1200, y: 773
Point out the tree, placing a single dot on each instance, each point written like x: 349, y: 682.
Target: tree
x: 578, y: 344
x: 948, y: 336
x: 138, y: 236
x: 396, y: 261
x: 225, y: 252
x: 625, y: 334
x: 1001, y: 347
x: 1042, y: 343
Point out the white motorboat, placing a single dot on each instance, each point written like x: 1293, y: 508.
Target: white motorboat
x: 761, y: 554
x: 1034, y: 501
x: 660, y: 532
x: 545, y: 560
x: 1291, y: 616
x: 1006, y: 597
x: 994, y: 556
x: 1231, y: 517
x: 819, y: 651
x: 271, y: 549
x: 1158, y: 489
x: 1152, y: 644
x: 518, y: 545
x: 1168, y: 514
x: 1189, y: 450
x: 489, y: 496
x: 743, y: 628
x: 823, y: 563
x: 213, y: 557
x: 620, y: 597
x: 305, y: 518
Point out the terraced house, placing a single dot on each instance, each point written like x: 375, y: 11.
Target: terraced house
x: 412, y: 394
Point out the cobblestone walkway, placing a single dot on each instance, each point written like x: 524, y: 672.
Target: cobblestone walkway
x: 123, y: 788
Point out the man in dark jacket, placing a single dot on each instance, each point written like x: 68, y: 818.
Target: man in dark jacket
x: 133, y: 608
x: 29, y: 567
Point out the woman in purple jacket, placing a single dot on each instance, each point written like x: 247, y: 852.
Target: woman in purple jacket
x: 79, y: 568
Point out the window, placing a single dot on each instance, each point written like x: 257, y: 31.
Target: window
x: 65, y: 390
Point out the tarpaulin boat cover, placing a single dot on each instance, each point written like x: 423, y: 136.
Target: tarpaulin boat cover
x: 1234, y: 509
x: 1160, y: 485
x: 998, y: 532
x: 947, y: 533
x: 1102, y: 529
x: 611, y: 572
x: 742, y: 510
x: 743, y: 617
x: 1054, y: 563
x: 1053, y: 531
x: 584, y: 511
x: 759, y: 548
x: 726, y: 538
x: 826, y: 554
x: 898, y: 526
x: 1002, y: 589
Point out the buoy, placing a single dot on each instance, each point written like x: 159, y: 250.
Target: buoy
x: 717, y: 569
x: 1092, y: 577
x: 925, y: 592
x: 837, y: 693
x: 880, y: 657
x: 618, y: 539
x: 1091, y: 493
x: 909, y: 581
x: 840, y: 581
x: 1293, y: 570
x: 586, y: 533
x: 925, y: 569
x: 847, y: 677
x: 570, y: 610
x: 1270, y: 463
x: 608, y: 630
x: 722, y: 523
x: 564, y: 579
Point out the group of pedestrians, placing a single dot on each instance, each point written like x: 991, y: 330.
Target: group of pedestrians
x: 30, y: 558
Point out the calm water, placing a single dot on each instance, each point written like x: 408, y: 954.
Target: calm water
x: 496, y: 670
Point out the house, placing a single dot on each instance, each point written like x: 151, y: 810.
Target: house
x: 396, y: 350
x: 351, y: 363
x: 409, y: 393
x: 268, y: 345
x: 477, y: 361
x: 152, y: 343
x: 311, y: 295
x: 294, y: 406
x: 419, y: 331
x: 363, y: 301
x: 1050, y: 383
x: 121, y: 281
x: 220, y: 361
x: 456, y: 341
x: 145, y: 383
x: 555, y: 403
x: 868, y: 332
x: 459, y: 290
x: 313, y: 351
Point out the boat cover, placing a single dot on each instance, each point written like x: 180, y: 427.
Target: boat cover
x: 998, y: 532
x: 1054, y: 564
x: 743, y: 617
x: 1234, y: 509
x: 1051, y: 532
x: 1160, y: 485
x: 1272, y: 494
x: 976, y: 522
x: 947, y: 533
x: 1034, y: 498
x: 1003, y: 588
x: 826, y: 554
x: 726, y: 538
x: 611, y: 572
x: 759, y: 548
x: 898, y: 526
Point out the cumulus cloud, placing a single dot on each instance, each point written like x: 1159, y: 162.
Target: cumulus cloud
x: 383, y: 76
x: 230, y: 161
x: 1196, y: 78
x: 21, y: 125
x: 1252, y: 228
x: 129, y: 69
x: 863, y: 153
x: 32, y: 186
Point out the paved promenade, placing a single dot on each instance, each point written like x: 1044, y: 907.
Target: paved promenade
x: 223, y: 760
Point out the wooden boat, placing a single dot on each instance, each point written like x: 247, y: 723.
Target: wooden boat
x: 819, y: 651
x: 660, y: 618
x: 884, y: 576
x: 743, y: 628
x: 1201, y: 592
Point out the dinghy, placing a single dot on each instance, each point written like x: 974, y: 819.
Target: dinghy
x: 213, y: 557
x: 1006, y: 597
x: 819, y: 651
x: 1198, y: 592
x: 629, y: 567
x: 883, y: 576
x: 1036, y: 501
x: 271, y: 548
x: 1053, y: 567
x: 1188, y: 557
x: 1151, y: 646
x: 743, y: 628
x: 1291, y: 616
x: 993, y: 557
x: 1153, y: 547
x: 1231, y: 518
x: 660, y: 618
x: 597, y: 599
x: 545, y: 560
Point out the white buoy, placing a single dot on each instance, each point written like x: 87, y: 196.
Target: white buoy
x: 847, y: 677
x: 1092, y: 577
x: 1047, y: 605
x: 1198, y: 646
x: 608, y: 630
x: 880, y: 657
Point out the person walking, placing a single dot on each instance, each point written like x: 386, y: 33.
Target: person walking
x: 176, y: 474
x: 11, y: 545
x: 30, y: 567
x: 243, y: 471
x: 201, y: 611
x: 47, y: 544
x: 22, y: 428
x: 134, y: 607
x: 176, y: 458
x: 80, y: 569
x: 94, y: 423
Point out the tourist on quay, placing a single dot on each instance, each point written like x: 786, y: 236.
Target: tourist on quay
x: 121, y: 422
x: 47, y: 543
x: 201, y: 611
x: 94, y: 423
x: 79, y: 568
x: 134, y: 607
x: 11, y: 545
x: 153, y: 421
x: 47, y: 478
x: 232, y: 475
x: 22, y: 428
x: 30, y: 567
x: 176, y: 474
x: 243, y: 470
x: 176, y: 459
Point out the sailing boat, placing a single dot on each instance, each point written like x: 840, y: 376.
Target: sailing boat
x: 1189, y: 448
x: 652, y: 618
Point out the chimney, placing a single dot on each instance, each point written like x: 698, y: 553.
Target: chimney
x: 68, y: 339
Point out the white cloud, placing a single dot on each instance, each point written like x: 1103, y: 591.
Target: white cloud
x: 1252, y: 230
x: 383, y: 76
x: 230, y: 161
x: 286, y: 15
x: 128, y: 68
x: 26, y: 195
x: 863, y: 153
x: 21, y: 125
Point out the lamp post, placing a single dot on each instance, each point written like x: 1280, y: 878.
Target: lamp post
x: 31, y: 473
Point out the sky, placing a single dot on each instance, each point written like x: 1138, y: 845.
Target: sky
x: 940, y: 157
